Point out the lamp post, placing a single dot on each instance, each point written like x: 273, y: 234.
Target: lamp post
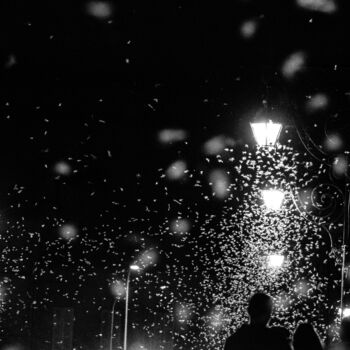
x: 267, y: 134
x: 131, y: 268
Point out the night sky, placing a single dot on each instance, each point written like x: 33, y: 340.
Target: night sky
x: 87, y: 89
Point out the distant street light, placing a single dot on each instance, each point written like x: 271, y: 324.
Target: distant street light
x: 135, y: 268
x: 266, y: 133
x: 275, y: 261
x: 273, y: 199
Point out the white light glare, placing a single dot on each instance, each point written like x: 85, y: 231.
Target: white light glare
x: 275, y: 261
x: 273, y: 199
x: 135, y: 267
x: 346, y: 312
x: 266, y: 133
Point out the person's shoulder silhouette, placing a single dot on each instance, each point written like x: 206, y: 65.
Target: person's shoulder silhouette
x: 256, y: 335
x: 306, y: 338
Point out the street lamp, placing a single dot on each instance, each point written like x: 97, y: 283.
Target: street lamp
x: 344, y: 312
x: 275, y: 261
x: 131, y: 268
x: 273, y: 199
x: 266, y: 133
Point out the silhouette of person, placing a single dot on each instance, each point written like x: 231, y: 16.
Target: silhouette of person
x: 306, y: 338
x: 257, y: 335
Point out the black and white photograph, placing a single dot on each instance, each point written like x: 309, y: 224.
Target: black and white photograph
x: 175, y: 175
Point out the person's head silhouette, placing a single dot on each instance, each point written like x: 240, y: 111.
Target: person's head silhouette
x: 260, y: 308
x: 344, y: 332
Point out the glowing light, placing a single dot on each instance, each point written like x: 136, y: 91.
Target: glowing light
x: 326, y: 6
x: 180, y: 226
x: 177, y: 170
x: 273, y: 199
x: 135, y: 267
x: 217, y: 145
x: 346, y: 312
x: 248, y: 29
x: 138, y: 346
x: 168, y: 136
x: 216, y: 318
x: 99, y: 9
x: 219, y: 182
x: 62, y: 168
x: 333, y: 142
x: 293, y: 64
x: 144, y: 260
x: 302, y: 288
x: 340, y: 165
x: 68, y: 231
x: 266, y: 133
x: 317, y: 102
x: 275, y: 261
x: 118, y: 289
x: 183, y: 312
x: 13, y: 347
x: 283, y: 301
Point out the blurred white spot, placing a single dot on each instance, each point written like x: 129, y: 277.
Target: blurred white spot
x: 219, y: 181
x: 340, y: 165
x: 301, y: 288
x: 68, y: 231
x: 13, y: 347
x: 283, y: 301
x: 2, y: 294
x: 333, y: 142
x: 99, y: 9
x: 11, y: 61
x: 248, y: 29
x: 317, y: 102
x: 217, y: 144
x: 180, y: 226
x: 183, y: 312
x: 118, y: 289
x: 172, y: 135
x: 216, y: 317
x: 138, y: 346
x: 326, y: 6
x: 176, y: 170
x: 147, y: 258
x: 62, y: 168
x: 293, y: 64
